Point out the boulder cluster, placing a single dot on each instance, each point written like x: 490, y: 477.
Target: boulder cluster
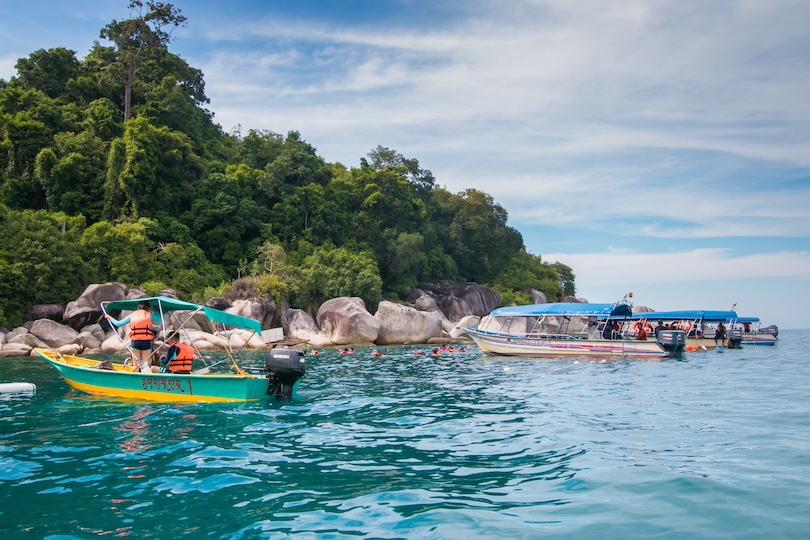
x: 436, y: 313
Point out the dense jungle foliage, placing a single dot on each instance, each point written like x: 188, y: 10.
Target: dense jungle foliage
x: 167, y: 199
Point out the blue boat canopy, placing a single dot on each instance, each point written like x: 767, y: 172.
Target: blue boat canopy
x: 163, y: 304
x: 566, y: 308
x: 688, y: 315
x: 747, y: 319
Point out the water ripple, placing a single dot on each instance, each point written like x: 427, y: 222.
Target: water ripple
x: 717, y: 445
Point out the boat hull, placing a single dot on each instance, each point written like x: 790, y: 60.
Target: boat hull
x: 759, y: 339
x: 542, y: 347
x: 120, y: 382
x: 694, y: 343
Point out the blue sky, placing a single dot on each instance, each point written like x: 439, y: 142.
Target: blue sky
x: 657, y: 146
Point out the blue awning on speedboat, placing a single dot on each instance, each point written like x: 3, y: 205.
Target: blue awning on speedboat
x: 572, y: 309
x: 747, y: 319
x: 689, y: 315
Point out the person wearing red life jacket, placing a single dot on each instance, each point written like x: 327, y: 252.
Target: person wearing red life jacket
x: 141, y: 335
x: 179, y: 356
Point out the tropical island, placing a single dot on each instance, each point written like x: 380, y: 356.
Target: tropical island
x: 112, y: 170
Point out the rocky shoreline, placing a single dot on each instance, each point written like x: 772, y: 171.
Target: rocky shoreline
x: 431, y: 316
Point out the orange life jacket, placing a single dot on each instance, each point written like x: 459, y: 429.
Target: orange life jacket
x: 182, y: 360
x: 140, y: 325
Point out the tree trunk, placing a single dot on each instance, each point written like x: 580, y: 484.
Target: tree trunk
x: 128, y: 90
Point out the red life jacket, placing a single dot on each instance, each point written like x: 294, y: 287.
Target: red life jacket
x: 140, y: 325
x: 182, y: 360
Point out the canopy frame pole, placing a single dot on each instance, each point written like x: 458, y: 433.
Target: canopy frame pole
x: 115, y: 331
x: 236, y: 367
x: 182, y: 327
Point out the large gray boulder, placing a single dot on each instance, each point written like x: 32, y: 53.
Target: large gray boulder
x: 114, y: 344
x: 53, y: 312
x: 217, y: 302
x: 427, y: 303
x: 536, y: 297
x: 403, y: 324
x: 190, y: 320
x: 346, y: 321
x: 298, y: 324
x: 457, y: 301
x: 265, y: 311
x: 86, y: 309
x: 86, y: 340
x: 96, y: 330
x: 15, y: 349
x: 458, y: 332
x: 53, y: 334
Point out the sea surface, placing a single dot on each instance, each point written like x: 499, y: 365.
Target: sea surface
x: 461, y: 446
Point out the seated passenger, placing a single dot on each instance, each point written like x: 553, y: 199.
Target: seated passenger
x: 720, y: 334
x: 179, y: 356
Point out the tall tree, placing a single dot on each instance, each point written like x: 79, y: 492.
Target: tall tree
x: 48, y: 71
x: 137, y: 37
x: 422, y: 180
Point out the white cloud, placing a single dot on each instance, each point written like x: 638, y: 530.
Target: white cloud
x: 600, y: 269
x: 772, y: 286
x: 564, y: 112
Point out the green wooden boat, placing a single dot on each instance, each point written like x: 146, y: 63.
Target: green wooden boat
x: 283, y: 367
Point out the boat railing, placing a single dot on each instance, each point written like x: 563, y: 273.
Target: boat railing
x: 530, y: 335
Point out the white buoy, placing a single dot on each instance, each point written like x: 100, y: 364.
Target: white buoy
x: 18, y: 388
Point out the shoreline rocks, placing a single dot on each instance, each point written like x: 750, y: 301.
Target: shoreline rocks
x: 437, y: 315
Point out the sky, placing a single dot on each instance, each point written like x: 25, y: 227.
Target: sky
x: 654, y: 146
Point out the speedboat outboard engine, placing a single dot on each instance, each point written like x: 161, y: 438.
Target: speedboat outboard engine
x: 771, y: 329
x: 734, y: 337
x: 286, y: 367
x: 673, y: 341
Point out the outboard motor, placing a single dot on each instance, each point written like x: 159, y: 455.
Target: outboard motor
x: 286, y: 367
x: 771, y: 329
x: 734, y: 337
x: 673, y: 341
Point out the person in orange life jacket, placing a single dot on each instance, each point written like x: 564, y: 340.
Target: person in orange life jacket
x: 179, y: 356
x: 141, y: 335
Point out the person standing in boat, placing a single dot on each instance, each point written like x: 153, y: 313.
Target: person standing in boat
x: 141, y: 335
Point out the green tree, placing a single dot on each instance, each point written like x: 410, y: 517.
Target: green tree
x: 101, y: 119
x: 72, y: 174
x: 185, y: 267
x: 39, y: 260
x: 406, y: 263
x: 260, y: 148
x: 154, y: 170
x: 566, y: 278
x: 331, y: 272
x: 48, y: 70
x: 422, y: 180
x: 136, y: 38
x: 274, y: 277
x: 297, y: 165
x: 527, y: 271
x: 473, y: 229
x: 225, y: 219
x: 117, y: 252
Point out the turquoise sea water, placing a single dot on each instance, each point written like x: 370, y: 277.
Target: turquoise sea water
x: 462, y: 446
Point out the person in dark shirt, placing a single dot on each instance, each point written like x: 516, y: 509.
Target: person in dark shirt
x: 720, y: 333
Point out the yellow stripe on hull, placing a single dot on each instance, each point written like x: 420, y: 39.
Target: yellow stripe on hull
x: 147, y: 395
